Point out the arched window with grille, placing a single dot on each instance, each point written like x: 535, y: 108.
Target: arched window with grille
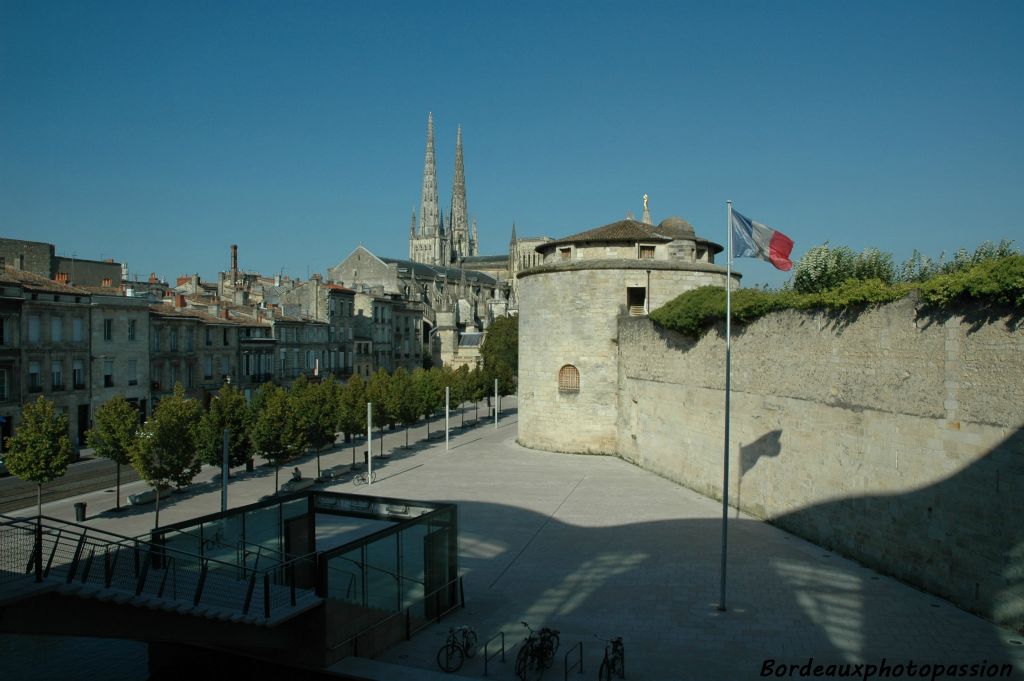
x: 568, y: 379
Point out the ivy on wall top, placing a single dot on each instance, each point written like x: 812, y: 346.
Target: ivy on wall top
x: 838, y: 280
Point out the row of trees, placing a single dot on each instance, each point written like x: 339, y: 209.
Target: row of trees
x: 278, y: 424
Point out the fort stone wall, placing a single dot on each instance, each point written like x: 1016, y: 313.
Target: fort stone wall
x: 894, y: 437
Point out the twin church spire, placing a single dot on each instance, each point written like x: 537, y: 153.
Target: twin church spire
x: 437, y: 243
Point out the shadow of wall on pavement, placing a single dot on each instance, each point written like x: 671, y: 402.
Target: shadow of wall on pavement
x: 960, y: 538
x: 657, y: 584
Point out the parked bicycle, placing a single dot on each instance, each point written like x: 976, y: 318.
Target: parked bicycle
x: 363, y: 478
x: 614, y: 660
x: 537, y: 653
x: 461, y: 644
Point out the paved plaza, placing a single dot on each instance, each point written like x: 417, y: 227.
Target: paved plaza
x: 597, y: 548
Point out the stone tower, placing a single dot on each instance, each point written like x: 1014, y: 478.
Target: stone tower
x: 426, y: 244
x: 570, y: 307
x: 458, y: 216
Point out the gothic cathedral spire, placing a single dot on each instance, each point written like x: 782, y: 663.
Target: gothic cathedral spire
x: 436, y: 242
x: 412, y: 235
x: 458, y: 215
x: 429, y: 214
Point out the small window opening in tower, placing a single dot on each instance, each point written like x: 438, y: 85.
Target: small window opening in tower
x: 568, y: 379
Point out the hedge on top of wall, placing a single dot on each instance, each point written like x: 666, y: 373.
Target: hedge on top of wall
x: 989, y: 277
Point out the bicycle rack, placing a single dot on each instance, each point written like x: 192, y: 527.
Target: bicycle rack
x: 488, y: 656
x: 578, y: 664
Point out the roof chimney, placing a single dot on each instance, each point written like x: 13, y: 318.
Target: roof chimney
x: 234, y: 263
x: 179, y: 301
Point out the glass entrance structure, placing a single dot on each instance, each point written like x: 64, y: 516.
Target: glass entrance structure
x: 383, y: 567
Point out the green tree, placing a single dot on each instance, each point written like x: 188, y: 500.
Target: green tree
x: 506, y: 380
x: 352, y: 412
x: 317, y: 409
x: 276, y: 431
x: 461, y: 390
x: 377, y: 394
x: 423, y: 395
x: 165, y: 451
x: 478, y: 390
x: 501, y: 344
x: 301, y: 397
x: 261, y: 397
x: 401, y: 400
x: 227, y: 410
x: 117, y: 427
x: 39, y: 450
x: 440, y: 378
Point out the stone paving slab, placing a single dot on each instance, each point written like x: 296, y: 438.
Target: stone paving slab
x: 596, y: 547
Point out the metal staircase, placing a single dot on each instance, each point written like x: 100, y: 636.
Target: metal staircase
x: 49, y: 555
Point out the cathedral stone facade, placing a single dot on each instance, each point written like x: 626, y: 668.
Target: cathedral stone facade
x: 457, y: 290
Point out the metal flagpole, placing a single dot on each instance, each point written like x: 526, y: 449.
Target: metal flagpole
x: 728, y: 386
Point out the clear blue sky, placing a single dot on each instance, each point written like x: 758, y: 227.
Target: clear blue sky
x: 159, y: 133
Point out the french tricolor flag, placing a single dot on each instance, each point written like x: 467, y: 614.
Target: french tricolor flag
x: 753, y: 240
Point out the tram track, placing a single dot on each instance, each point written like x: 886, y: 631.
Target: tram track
x: 87, y: 475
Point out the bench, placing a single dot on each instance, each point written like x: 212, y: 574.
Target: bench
x: 142, y: 498
x: 296, y: 485
x: 334, y: 472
